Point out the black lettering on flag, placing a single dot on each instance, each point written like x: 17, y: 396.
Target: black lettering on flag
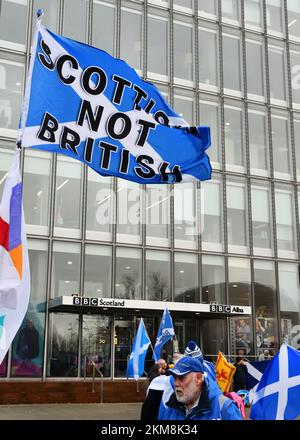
x: 48, y: 128
x: 161, y: 118
x: 46, y: 59
x: 175, y: 171
x: 86, y: 80
x: 107, y: 149
x: 70, y: 139
x: 60, y: 64
x: 88, y: 151
x: 112, y: 122
x: 144, y: 133
x: 150, y: 106
x: 119, y: 90
x: 124, y: 164
x: 86, y: 111
x: 140, y: 94
x: 141, y: 161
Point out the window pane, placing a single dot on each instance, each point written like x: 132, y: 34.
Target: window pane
x: 65, y: 269
x: 186, y: 278
x: 11, y: 80
x: 274, y: 11
x: 209, y: 115
x: 13, y: 12
x: 125, y: 330
x: 128, y: 273
x: 208, y: 70
x: 157, y: 45
x: 74, y: 25
x: 254, y: 54
x: 293, y: 7
x: 100, y: 201
x: 97, y: 271
x: 63, y: 345
x: 258, y: 141
x: 242, y: 342
x: 129, y: 211
x: 289, y: 303
x: 280, y: 138
x: 231, y: 62
x: 37, y: 178
x: 239, y: 287
x: 68, y: 185
x: 28, y: 345
x: 253, y: 12
x: 213, y: 279
x: 183, y: 51
x: 103, y: 27
x: 50, y: 10
x: 96, y: 344
x: 212, y: 231
x: 236, y: 213
x: 261, y: 216
x: 158, y: 276
x: 6, y: 158
x: 184, y: 3
x: 277, y: 73
x: 185, y: 108
x: 295, y: 74
x: 297, y: 143
x: 157, y: 212
x: 131, y: 38
x: 284, y: 202
x: 265, y: 305
x: 234, y: 136
x: 185, y: 215
x: 207, y: 7
x: 230, y: 9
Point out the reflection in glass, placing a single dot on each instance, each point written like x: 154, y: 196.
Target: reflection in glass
x: 293, y: 7
x: 234, y: 136
x: 131, y: 38
x: 213, y: 279
x: 286, y: 240
x: 295, y: 76
x: 277, y: 73
x: 239, y: 278
x: 209, y: 115
x: 274, y: 10
x: 74, y: 25
x: 185, y: 215
x: 280, y: 139
x: 63, y: 345
x: 207, y: 7
x: 50, y: 10
x: 186, y: 278
x: 183, y: 47
x: 231, y: 62
x: 129, y: 210
x: 157, y: 275
x: 103, y: 26
x: 230, y: 9
x: 6, y: 158
x: 253, y: 12
x: 261, y: 216
x: 157, y: 45
x: 215, y: 340
x: 65, y: 269
x: 125, y: 330
x: 157, y: 212
x: 97, y: 271
x: 236, y: 213
x: 11, y: 82
x: 185, y: 108
x: 128, y: 273
x: 212, y: 231
x: 208, y: 64
x: 254, y: 62
x: 297, y: 143
x: 258, y: 147
x: 96, y: 345
x: 13, y: 12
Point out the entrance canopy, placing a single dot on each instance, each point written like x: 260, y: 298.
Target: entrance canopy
x: 84, y: 305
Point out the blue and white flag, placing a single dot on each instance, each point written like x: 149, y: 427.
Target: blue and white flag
x: 255, y: 371
x: 165, y: 333
x: 82, y: 102
x: 136, y: 363
x: 278, y: 393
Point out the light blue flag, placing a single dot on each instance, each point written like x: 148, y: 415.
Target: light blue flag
x: 136, y: 363
x: 277, y: 396
x: 82, y: 102
x: 165, y: 333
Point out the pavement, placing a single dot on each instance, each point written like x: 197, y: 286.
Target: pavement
x: 72, y: 411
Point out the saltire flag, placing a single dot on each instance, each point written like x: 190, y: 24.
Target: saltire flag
x: 224, y: 372
x: 165, y: 333
x: 136, y: 363
x: 278, y: 394
x: 82, y: 102
x: 14, y: 262
x: 255, y: 371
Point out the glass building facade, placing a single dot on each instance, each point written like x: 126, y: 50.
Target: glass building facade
x: 231, y: 64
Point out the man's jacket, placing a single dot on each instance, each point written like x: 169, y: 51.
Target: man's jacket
x: 208, y: 407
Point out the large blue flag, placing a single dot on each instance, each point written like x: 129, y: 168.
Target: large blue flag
x: 165, y: 333
x: 255, y: 371
x: 278, y: 393
x: 82, y: 102
x: 136, y: 363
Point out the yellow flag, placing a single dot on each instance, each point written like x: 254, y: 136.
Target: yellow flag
x: 224, y: 372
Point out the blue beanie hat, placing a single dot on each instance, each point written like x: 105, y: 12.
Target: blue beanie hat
x: 193, y: 350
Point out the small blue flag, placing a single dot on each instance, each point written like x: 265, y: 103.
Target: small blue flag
x: 165, y: 333
x: 136, y: 363
x: 82, y: 102
x: 277, y: 394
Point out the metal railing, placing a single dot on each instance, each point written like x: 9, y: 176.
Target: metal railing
x: 95, y: 368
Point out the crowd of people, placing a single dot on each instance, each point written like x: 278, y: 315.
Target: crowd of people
x: 187, y: 389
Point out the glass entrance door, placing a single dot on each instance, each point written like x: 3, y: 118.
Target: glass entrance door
x: 125, y: 330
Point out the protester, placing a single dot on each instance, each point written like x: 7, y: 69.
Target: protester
x: 240, y: 375
x: 196, y: 397
x: 157, y: 369
x: 265, y: 356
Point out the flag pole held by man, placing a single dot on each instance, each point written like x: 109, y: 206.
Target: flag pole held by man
x: 82, y: 102
x: 14, y: 262
x: 136, y: 363
x: 165, y: 333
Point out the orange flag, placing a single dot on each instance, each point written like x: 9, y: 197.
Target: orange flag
x: 224, y: 372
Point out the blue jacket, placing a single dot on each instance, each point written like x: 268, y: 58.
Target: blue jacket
x: 208, y: 407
